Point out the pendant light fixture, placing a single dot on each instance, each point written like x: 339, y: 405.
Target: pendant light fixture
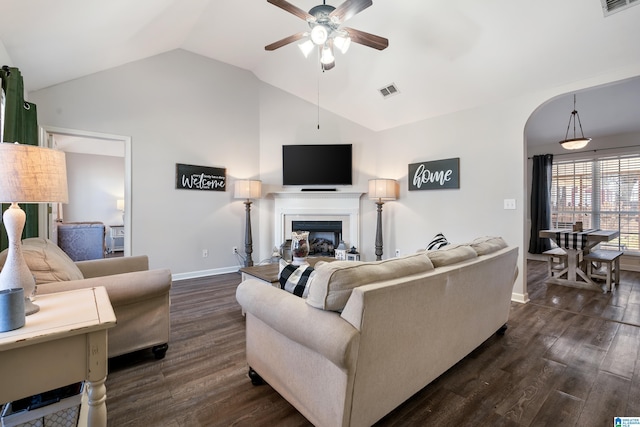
x: 574, y: 143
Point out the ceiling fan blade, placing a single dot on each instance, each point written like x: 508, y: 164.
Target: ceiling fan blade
x: 349, y: 8
x: 285, y: 41
x: 367, y: 39
x: 285, y: 5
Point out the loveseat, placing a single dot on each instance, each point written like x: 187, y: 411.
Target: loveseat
x: 139, y: 296
x: 371, y: 334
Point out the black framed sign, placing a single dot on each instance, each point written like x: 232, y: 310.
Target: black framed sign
x: 434, y: 175
x: 191, y: 177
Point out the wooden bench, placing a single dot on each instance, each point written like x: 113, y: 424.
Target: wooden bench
x: 604, y: 265
x: 556, y: 262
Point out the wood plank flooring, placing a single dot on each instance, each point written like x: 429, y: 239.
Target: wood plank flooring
x: 570, y: 357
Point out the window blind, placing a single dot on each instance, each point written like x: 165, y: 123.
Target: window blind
x: 602, y: 193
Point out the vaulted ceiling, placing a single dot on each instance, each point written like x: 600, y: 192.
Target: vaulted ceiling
x: 443, y: 56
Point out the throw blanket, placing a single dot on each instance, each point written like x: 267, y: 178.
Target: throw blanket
x: 572, y: 239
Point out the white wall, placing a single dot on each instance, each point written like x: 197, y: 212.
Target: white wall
x: 180, y: 107
x: 285, y: 119
x: 177, y: 107
x: 95, y: 184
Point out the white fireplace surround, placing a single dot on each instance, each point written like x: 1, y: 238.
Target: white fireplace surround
x: 318, y: 206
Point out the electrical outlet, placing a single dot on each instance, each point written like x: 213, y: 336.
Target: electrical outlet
x: 234, y: 250
x: 205, y: 253
x: 397, y: 252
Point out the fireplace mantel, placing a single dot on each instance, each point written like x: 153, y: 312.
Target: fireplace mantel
x: 318, y: 206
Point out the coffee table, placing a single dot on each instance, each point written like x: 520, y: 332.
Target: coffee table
x: 268, y: 273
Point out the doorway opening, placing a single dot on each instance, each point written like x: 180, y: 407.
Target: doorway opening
x: 105, y: 194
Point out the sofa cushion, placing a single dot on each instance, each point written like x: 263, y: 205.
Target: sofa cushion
x: 451, y: 254
x: 295, y: 278
x: 333, y: 281
x: 437, y: 242
x: 488, y: 244
x: 47, y: 262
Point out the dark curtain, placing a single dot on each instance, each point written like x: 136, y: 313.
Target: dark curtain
x: 20, y: 125
x: 540, y: 203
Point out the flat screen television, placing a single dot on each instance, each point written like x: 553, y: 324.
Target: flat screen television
x: 328, y: 164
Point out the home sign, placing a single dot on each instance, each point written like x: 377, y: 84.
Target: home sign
x: 190, y: 177
x: 434, y: 175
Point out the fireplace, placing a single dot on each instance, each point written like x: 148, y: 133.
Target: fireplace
x: 318, y: 206
x: 324, y: 236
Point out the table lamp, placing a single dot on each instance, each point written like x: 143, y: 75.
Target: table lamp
x: 29, y: 174
x: 381, y: 190
x: 248, y: 189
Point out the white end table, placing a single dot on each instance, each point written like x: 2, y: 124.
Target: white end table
x: 64, y: 343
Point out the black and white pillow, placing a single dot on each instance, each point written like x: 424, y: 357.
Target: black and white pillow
x: 295, y: 278
x: 437, y: 242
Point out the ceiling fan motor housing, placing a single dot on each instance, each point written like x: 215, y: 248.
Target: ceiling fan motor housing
x: 321, y: 17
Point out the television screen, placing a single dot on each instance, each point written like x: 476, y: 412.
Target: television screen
x: 316, y: 164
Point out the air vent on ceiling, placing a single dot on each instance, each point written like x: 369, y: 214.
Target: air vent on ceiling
x: 613, y: 6
x: 389, y: 90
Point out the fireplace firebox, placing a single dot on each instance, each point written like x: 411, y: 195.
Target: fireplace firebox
x: 324, y: 236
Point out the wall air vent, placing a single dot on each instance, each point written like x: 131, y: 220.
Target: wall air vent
x: 389, y: 90
x: 612, y: 6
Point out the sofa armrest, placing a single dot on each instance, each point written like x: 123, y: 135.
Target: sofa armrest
x: 110, y: 266
x: 321, y: 331
x: 126, y: 288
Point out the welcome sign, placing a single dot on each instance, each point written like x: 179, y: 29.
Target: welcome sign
x: 190, y: 177
x: 434, y: 175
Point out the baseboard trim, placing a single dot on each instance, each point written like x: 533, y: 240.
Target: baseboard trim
x: 203, y: 273
x: 521, y: 298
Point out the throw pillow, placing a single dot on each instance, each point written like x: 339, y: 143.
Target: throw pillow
x: 437, y: 242
x: 295, y: 279
x: 334, y: 281
x: 46, y: 261
x: 451, y: 254
x: 487, y: 245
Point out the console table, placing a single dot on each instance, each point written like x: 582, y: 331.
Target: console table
x: 64, y: 343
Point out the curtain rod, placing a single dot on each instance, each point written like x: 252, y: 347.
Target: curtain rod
x: 590, y: 151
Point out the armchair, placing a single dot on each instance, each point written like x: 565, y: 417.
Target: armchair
x: 139, y: 296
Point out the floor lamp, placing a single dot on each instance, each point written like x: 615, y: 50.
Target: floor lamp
x: 381, y: 190
x: 29, y: 174
x: 248, y: 189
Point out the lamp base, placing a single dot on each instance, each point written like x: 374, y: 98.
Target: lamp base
x: 30, y: 307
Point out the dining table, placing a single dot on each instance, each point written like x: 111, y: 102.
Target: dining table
x: 577, y: 244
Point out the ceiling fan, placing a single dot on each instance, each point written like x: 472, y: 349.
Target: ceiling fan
x: 326, y: 31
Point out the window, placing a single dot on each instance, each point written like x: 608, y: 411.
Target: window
x: 602, y: 193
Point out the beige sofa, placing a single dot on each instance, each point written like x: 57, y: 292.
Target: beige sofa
x: 139, y: 296
x: 370, y: 335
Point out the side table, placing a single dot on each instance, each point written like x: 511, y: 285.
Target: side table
x: 64, y: 343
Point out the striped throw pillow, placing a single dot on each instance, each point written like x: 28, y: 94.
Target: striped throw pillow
x: 295, y: 278
x: 437, y: 242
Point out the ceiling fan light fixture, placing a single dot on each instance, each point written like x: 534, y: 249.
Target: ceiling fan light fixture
x: 574, y: 143
x: 319, y: 34
x: 327, y: 55
x: 342, y: 43
x: 306, y: 47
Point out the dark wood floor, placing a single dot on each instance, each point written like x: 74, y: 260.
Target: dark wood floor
x: 569, y: 358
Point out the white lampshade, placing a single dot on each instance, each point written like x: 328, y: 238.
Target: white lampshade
x: 327, y: 55
x: 342, y: 43
x: 575, y: 144
x: 32, y: 174
x: 319, y: 34
x: 383, y: 189
x: 306, y: 47
x: 248, y: 189
x: 120, y: 204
